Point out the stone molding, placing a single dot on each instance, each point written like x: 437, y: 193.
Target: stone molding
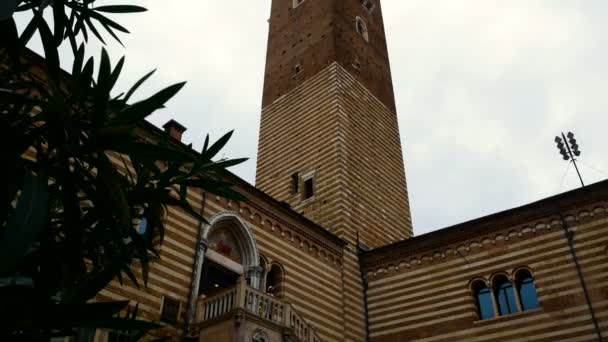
x: 403, y: 260
x: 315, y: 247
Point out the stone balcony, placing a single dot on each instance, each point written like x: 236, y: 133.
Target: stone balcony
x: 242, y: 313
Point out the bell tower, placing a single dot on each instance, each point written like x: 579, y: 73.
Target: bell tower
x: 329, y: 141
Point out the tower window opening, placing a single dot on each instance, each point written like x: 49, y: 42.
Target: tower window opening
x: 297, y: 3
x: 295, y: 183
x: 296, y: 70
x: 309, y: 189
x: 368, y: 5
x: 362, y: 29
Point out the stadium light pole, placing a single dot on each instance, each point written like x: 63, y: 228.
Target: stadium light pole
x: 568, y: 148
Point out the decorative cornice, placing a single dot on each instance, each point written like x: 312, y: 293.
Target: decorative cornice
x: 315, y: 246
x: 524, y: 222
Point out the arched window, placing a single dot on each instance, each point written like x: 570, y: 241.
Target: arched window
x: 505, y: 297
x: 274, y: 281
x: 483, y: 299
x: 362, y: 29
x: 526, y: 290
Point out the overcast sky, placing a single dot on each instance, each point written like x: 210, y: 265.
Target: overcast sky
x: 482, y: 88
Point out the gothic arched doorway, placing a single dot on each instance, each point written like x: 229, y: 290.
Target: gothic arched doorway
x: 231, y: 253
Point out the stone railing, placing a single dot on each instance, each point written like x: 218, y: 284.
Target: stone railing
x: 259, y: 303
x: 212, y: 307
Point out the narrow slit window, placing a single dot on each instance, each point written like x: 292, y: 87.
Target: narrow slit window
x: 362, y: 28
x: 296, y: 70
x: 309, y: 189
x: 295, y: 183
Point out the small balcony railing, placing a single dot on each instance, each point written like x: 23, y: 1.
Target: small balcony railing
x: 258, y: 303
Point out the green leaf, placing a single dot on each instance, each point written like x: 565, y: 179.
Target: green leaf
x: 88, y: 286
x: 80, y: 25
x: 25, y: 7
x: 206, y: 145
x: 111, y: 32
x: 59, y: 20
x: 50, y: 50
x: 94, y: 29
x: 216, y: 187
x: 105, y: 70
x: 69, y: 33
x: 26, y: 223
x: 120, y: 9
x: 142, y: 109
x: 217, y: 146
x: 31, y: 27
x: 78, y: 59
x: 138, y: 84
x: 116, y: 73
x: 131, y: 276
x: 146, y: 151
x: 10, y: 36
x: 216, y: 166
x: 107, y: 174
x: 87, y: 71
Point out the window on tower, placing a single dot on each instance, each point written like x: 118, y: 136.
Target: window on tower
x: 297, y: 3
x: 295, y: 183
x: 362, y: 29
x: 368, y: 5
x: 296, y: 70
x: 309, y: 189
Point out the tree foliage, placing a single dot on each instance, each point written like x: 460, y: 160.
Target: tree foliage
x: 79, y: 178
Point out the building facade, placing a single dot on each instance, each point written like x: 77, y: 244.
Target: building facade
x: 322, y: 249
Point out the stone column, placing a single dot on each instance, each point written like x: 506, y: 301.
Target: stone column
x: 199, y: 258
x: 254, y: 274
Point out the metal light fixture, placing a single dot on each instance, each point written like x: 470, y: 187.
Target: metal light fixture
x: 568, y: 148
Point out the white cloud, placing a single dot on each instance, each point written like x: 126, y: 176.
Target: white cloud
x: 482, y: 87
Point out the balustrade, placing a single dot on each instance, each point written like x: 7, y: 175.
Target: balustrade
x: 259, y: 303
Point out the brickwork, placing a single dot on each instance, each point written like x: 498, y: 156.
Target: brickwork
x: 311, y: 258
x: 319, y: 32
x: 419, y: 289
x: 334, y: 121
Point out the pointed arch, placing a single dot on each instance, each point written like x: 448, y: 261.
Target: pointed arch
x: 245, y: 239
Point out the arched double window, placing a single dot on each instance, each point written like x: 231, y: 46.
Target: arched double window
x: 526, y: 290
x: 483, y: 299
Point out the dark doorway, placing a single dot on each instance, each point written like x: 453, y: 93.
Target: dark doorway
x: 216, y: 278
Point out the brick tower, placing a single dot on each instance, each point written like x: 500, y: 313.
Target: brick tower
x: 329, y: 140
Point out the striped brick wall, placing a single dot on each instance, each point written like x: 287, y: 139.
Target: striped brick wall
x: 311, y: 261
x: 422, y: 293
x: 333, y: 129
